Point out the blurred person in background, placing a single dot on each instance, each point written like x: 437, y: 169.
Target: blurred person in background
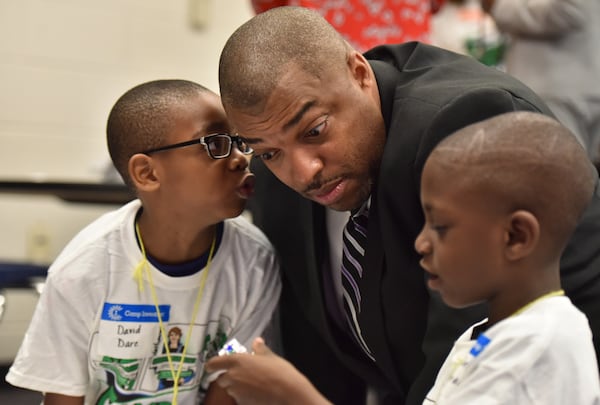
x: 553, y: 49
x: 462, y: 26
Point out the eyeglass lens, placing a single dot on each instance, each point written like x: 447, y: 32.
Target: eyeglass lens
x: 243, y: 146
x: 219, y: 146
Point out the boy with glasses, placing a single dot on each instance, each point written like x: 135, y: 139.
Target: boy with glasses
x: 177, y: 258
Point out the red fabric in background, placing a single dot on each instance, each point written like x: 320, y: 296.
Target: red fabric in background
x: 367, y: 23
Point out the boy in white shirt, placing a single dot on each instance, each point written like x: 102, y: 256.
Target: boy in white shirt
x: 142, y: 297
x: 501, y: 199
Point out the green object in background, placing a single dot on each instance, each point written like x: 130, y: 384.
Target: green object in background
x: 490, y: 54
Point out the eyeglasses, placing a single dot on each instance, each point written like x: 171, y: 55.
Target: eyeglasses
x: 218, y: 146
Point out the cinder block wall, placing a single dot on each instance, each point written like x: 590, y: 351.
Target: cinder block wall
x: 63, y: 63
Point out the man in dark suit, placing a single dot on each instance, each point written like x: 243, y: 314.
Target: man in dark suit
x: 334, y: 130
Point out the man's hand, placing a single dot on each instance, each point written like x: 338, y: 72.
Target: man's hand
x: 263, y: 377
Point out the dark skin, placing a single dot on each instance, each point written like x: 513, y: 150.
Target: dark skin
x: 264, y: 378
x: 487, y: 5
x: 58, y: 399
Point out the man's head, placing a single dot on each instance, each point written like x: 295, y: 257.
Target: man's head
x: 261, y: 50
x: 507, y: 191
x: 307, y: 102
x: 161, y: 139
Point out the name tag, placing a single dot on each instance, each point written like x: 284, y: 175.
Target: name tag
x: 129, y: 331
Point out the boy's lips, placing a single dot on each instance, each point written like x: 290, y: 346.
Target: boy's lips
x: 246, y: 188
x: 431, y: 277
x: 433, y: 280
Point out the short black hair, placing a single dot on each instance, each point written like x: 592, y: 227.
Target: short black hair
x: 528, y: 161
x: 257, y: 54
x: 141, y: 117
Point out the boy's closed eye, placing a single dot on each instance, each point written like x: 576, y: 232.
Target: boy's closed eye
x: 440, y: 229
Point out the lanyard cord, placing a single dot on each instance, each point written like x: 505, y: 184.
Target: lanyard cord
x: 555, y: 293
x: 138, y: 276
x: 457, y: 366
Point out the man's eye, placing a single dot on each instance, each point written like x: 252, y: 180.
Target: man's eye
x: 264, y: 155
x: 316, y: 131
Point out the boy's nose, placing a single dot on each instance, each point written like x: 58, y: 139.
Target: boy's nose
x: 237, y: 160
x: 422, y: 246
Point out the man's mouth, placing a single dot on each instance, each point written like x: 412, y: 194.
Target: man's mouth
x: 329, y: 193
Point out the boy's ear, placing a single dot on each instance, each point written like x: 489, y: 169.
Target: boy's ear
x: 142, y: 172
x: 522, y: 235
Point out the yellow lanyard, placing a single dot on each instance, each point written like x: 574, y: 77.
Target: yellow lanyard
x: 458, y: 365
x: 547, y: 295
x: 139, y: 277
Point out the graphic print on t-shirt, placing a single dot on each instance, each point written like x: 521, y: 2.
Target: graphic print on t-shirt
x: 131, y: 358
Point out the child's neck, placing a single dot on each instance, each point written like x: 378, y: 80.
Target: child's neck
x: 175, y: 244
x: 515, y: 300
x: 550, y: 294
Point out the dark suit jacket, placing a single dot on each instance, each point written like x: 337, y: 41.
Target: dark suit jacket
x: 426, y: 94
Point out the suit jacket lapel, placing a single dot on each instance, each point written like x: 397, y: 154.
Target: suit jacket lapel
x: 307, y: 275
x: 371, y: 317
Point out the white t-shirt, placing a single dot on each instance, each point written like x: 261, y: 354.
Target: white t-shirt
x: 543, y: 356
x: 94, y: 333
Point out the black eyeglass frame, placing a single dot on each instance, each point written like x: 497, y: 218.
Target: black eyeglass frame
x: 204, y: 141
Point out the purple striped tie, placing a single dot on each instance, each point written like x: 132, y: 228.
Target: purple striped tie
x: 355, y: 239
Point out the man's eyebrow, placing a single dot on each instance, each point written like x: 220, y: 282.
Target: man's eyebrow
x: 251, y: 141
x: 296, y: 119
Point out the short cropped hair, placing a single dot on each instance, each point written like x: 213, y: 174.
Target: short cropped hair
x: 142, y: 116
x: 527, y: 161
x: 257, y: 53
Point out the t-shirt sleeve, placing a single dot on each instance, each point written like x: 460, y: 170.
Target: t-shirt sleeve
x: 53, y: 356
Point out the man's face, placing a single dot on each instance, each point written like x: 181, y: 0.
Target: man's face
x: 322, y: 137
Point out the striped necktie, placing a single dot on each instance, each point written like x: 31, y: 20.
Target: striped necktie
x: 355, y: 240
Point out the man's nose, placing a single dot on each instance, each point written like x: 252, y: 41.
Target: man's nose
x: 305, y: 166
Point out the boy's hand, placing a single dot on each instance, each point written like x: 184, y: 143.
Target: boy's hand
x: 263, y: 377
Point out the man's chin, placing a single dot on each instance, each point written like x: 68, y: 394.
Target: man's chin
x: 342, y: 205
x: 337, y: 207
x: 349, y: 197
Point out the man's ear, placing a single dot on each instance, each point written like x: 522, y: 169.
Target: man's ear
x: 360, y: 69
x: 142, y: 172
x: 522, y: 235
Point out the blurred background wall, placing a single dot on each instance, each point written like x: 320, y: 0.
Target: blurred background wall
x: 63, y: 63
